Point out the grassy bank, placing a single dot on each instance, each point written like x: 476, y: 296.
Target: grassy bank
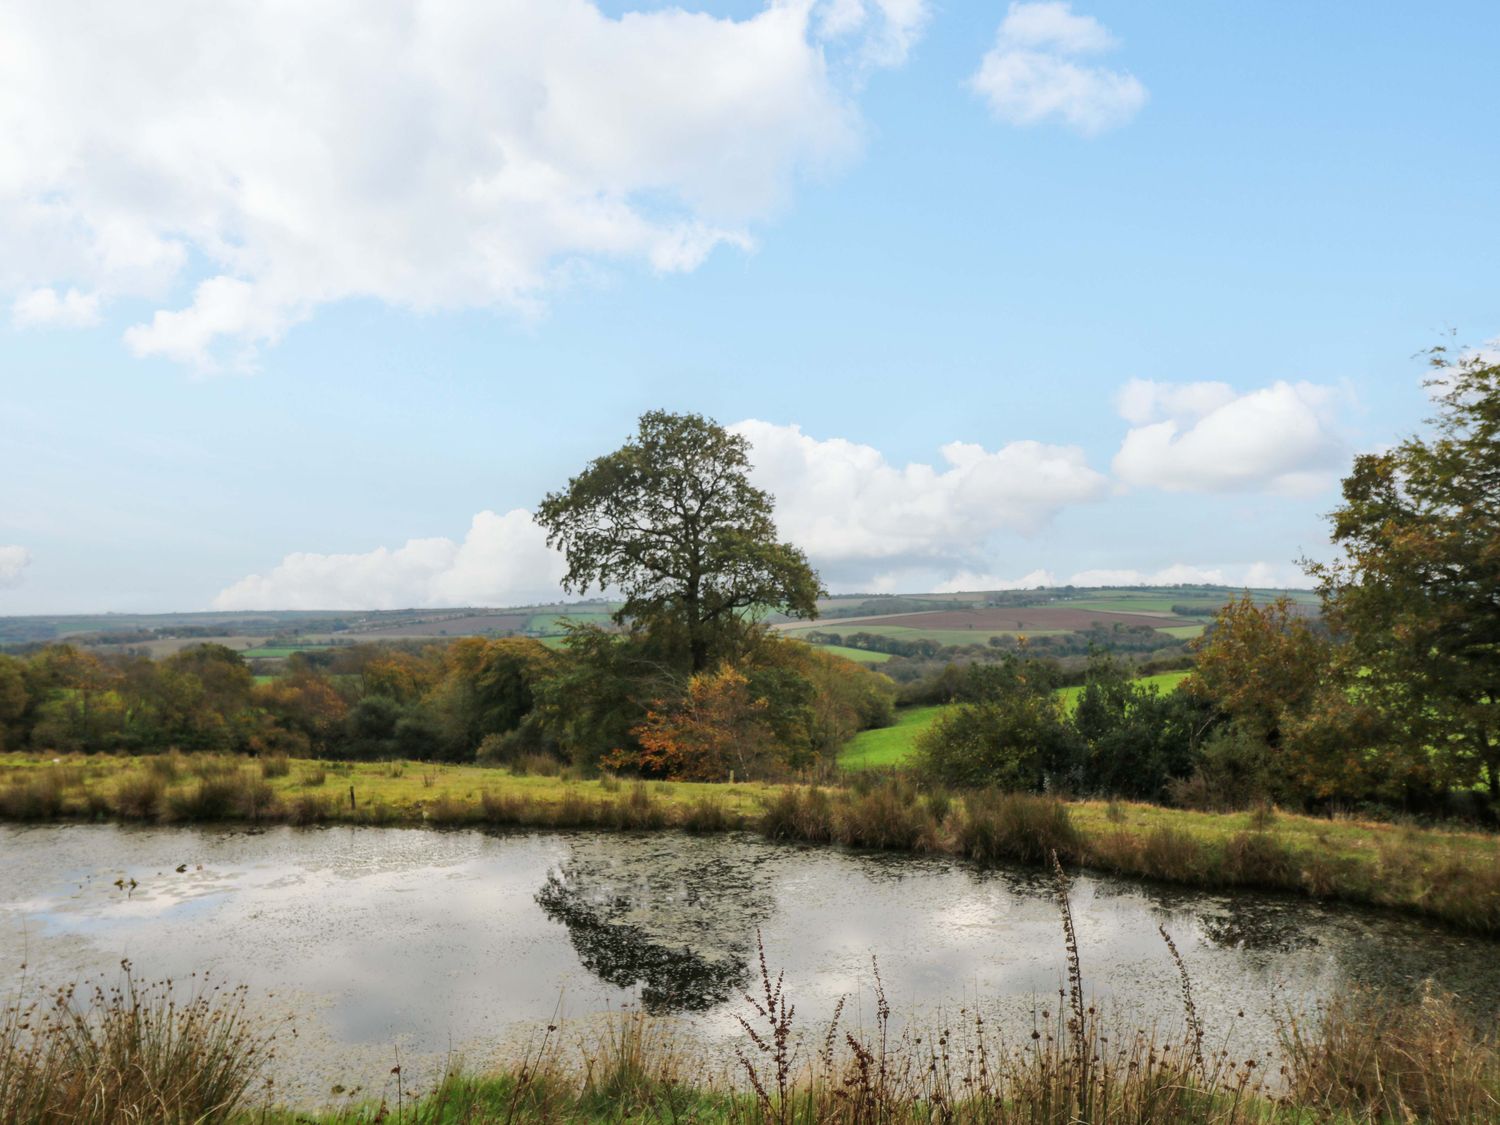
x: 1450, y: 876
x: 130, y: 1052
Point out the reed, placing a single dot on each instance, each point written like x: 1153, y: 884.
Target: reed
x: 130, y: 1052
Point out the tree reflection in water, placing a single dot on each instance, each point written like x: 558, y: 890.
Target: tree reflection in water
x: 677, y: 922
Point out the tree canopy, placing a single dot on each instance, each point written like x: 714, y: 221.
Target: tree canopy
x: 671, y: 520
x: 1416, y: 596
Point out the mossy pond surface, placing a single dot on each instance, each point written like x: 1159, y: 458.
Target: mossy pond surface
x: 408, y: 945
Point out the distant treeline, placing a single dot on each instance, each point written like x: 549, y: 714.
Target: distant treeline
x: 608, y: 698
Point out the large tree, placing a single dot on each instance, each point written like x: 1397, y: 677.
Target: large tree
x: 671, y: 520
x: 1416, y: 595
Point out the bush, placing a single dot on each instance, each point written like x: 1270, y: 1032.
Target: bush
x: 1235, y: 770
x: 1019, y: 742
x: 799, y: 814
x: 140, y: 795
x: 1258, y: 859
x: 134, y: 1053
x: 38, y: 796
x: 275, y: 765
x: 997, y: 827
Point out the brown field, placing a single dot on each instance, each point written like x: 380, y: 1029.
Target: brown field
x: 467, y: 625
x: 168, y: 646
x: 1019, y: 619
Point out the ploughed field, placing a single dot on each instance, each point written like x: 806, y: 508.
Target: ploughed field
x: 1060, y: 618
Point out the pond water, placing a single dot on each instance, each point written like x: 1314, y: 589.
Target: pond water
x: 416, y: 944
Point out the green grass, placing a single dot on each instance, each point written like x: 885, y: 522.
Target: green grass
x: 1121, y: 603
x: 551, y: 624
x: 277, y: 652
x: 1162, y: 682
x: 891, y: 746
x: 858, y: 655
x: 888, y: 746
x: 1183, y: 632
x: 941, y: 636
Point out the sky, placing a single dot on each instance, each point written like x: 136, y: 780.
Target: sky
x: 308, y: 305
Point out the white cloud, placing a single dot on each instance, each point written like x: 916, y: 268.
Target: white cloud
x: 841, y: 501
x: 1031, y: 74
x: 969, y: 580
x: 13, y: 562
x: 1439, y: 381
x: 46, y: 308
x: 889, y: 28
x: 503, y: 560
x: 1256, y: 574
x: 1202, y: 437
x: 431, y: 156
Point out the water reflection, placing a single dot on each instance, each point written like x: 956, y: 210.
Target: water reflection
x: 681, y: 925
x: 460, y: 941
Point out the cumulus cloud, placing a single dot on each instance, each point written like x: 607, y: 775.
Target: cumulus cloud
x: 852, y: 511
x: 844, y: 502
x: 970, y: 580
x: 46, y: 308
x: 1033, y: 74
x: 887, y: 28
x: 432, y: 156
x: 503, y: 560
x: 13, y: 562
x: 1439, y: 381
x: 1255, y: 574
x: 1203, y: 437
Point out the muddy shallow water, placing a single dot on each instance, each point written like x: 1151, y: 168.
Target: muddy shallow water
x: 428, y: 943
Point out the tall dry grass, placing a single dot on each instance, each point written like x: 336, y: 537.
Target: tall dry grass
x: 130, y: 1052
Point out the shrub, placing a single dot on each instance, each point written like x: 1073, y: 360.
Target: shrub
x: 1376, y: 1058
x: 996, y: 827
x: 1173, y: 855
x: 140, y: 795
x: 168, y: 767
x: 312, y: 778
x: 1259, y: 859
x: 541, y: 765
x: 132, y: 1053
x: 34, y: 796
x: 308, y: 808
x: 798, y: 814
x: 707, y: 814
x: 637, y: 810
x: 1016, y: 742
x: 891, y: 816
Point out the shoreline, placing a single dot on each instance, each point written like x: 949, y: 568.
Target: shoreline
x: 1449, y: 877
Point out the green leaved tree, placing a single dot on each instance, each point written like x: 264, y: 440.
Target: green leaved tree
x: 1415, y: 599
x: 671, y: 520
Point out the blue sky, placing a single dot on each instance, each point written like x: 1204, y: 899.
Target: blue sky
x: 1158, y: 276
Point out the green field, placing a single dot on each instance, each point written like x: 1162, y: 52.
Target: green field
x: 941, y: 636
x: 278, y: 652
x: 1163, y: 682
x: 551, y: 624
x: 890, y: 746
x: 1183, y: 632
x: 1123, y: 603
x: 858, y: 655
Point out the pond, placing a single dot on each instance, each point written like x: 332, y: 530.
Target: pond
x: 416, y: 944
